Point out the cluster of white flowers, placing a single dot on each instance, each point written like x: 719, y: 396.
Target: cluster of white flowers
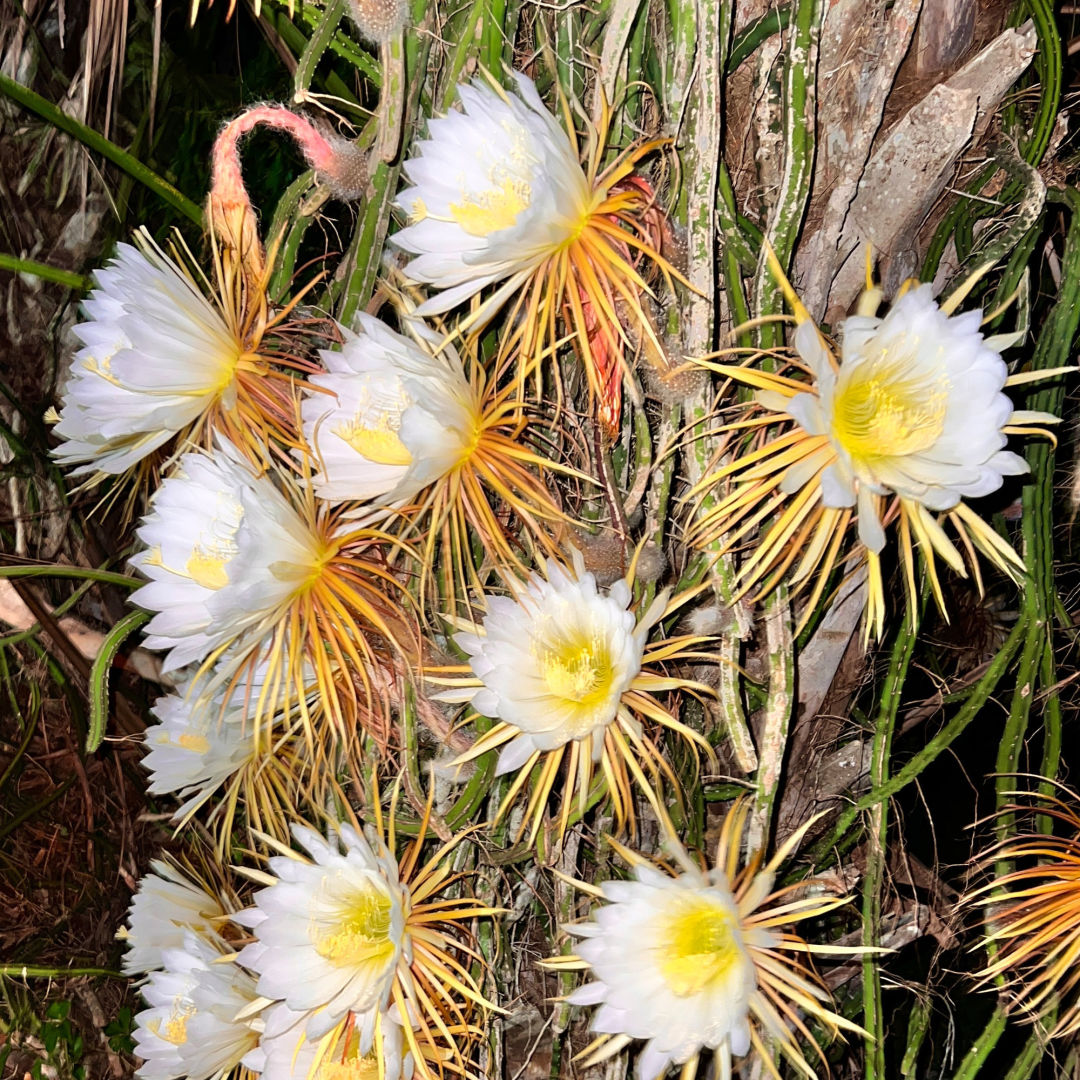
x: 323, y: 983
x: 224, y: 551
x: 202, y: 1018
x: 314, y: 987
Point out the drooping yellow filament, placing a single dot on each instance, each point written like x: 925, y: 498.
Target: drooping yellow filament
x: 701, y: 948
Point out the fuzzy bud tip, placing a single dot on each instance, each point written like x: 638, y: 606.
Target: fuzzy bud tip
x: 344, y: 170
x: 379, y: 21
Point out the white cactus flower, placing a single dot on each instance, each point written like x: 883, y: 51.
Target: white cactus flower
x: 555, y: 660
x: 396, y: 419
x: 191, y: 749
x: 330, y: 932
x: 156, y: 357
x: 915, y: 408
x: 224, y: 552
x: 199, y: 1024
x: 166, y: 907
x: 567, y: 671
x: 497, y: 188
x: 291, y: 1055
x: 670, y: 965
x: 362, y: 956
x: 705, y: 959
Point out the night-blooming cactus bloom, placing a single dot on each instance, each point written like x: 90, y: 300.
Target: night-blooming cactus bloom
x: 499, y: 195
x: 916, y: 409
x: 362, y: 954
x: 703, y: 960
x: 199, y: 1024
x: 563, y: 667
x: 905, y: 424
x: 331, y: 932
x: 389, y: 417
x: 160, y: 362
x: 166, y: 907
x: 224, y: 552
x: 496, y: 189
x: 191, y: 751
x: 248, y: 569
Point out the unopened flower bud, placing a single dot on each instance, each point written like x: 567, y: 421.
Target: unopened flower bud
x: 339, y: 163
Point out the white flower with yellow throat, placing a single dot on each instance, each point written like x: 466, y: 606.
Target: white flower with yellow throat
x: 170, y: 361
x: 414, y: 434
x: 202, y: 1021
x: 497, y: 188
x: 701, y: 959
x: 362, y: 953
x: 330, y: 931
x: 249, y: 568
x: 915, y: 409
x: 156, y: 357
x: 500, y: 196
x: 389, y: 418
x: 204, y: 740
x: 224, y: 550
x: 563, y: 667
x: 909, y: 422
x: 190, y: 750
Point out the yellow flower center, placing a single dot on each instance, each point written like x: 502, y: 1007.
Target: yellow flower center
x: 198, y: 744
x: 309, y: 569
x: 578, y: 669
x: 361, y: 934
x: 881, y: 411
x: 174, y: 1030
x: 350, y: 1068
x: 228, y: 364
x: 700, y: 948
x: 379, y: 443
x: 206, y: 566
x: 495, y: 209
